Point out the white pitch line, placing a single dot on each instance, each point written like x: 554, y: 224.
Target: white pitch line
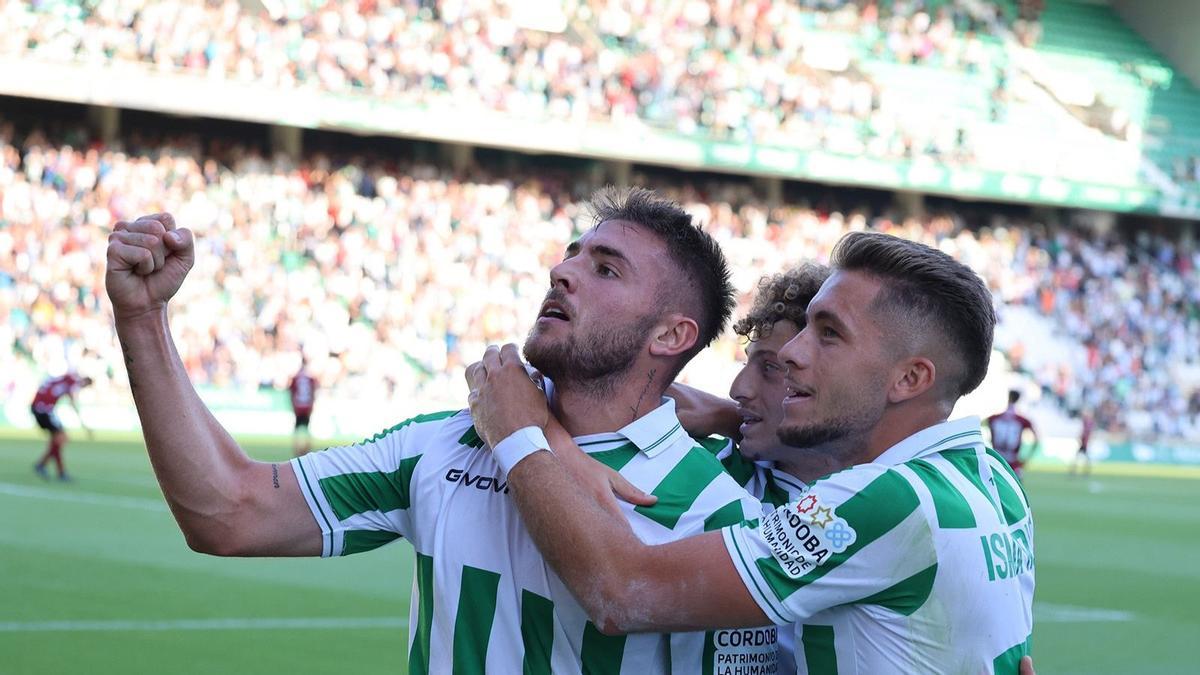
x: 202, y: 624
x: 1045, y: 612
x: 66, y: 494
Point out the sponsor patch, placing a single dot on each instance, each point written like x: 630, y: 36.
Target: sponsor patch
x: 803, y: 535
x: 747, y: 651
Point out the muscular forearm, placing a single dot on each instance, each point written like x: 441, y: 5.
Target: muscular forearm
x: 625, y: 585
x: 200, y: 467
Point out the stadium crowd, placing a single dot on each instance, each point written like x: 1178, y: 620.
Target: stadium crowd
x: 392, y: 274
x: 753, y: 72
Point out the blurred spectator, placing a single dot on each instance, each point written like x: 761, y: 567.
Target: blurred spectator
x: 771, y: 73
x: 391, y: 275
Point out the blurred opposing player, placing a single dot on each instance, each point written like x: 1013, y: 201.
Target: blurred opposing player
x: 44, y: 401
x: 1082, y: 458
x: 632, y: 301
x: 303, y: 390
x: 1008, y: 432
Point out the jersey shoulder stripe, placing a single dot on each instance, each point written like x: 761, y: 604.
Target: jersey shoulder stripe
x: 1013, y: 500
x: 968, y: 461
x: 863, y: 505
x: 358, y: 491
x: 416, y: 419
x: 683, y: 484
x: 951, y: 508
x: 872, y: 511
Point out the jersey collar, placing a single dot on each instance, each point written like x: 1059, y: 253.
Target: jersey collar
x: 944, y: 436
x: 652, y: 433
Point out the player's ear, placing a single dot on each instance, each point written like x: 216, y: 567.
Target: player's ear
x: 913, y: 376
x: 674, y: 335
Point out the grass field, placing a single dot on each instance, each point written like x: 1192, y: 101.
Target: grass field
x: 95, y: 578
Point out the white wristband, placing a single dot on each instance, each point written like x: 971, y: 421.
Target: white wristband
x: 521, y: 444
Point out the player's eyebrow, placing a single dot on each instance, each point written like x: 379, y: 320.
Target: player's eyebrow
x: 826, y: 316
x: 611, y: 252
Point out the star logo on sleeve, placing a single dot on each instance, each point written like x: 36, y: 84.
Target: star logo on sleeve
x: 822, y: 517
x: 806, y: 504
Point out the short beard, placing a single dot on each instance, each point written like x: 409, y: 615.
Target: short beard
x: 843, y: 438
x: 593, y: 362
x: 813, y: 437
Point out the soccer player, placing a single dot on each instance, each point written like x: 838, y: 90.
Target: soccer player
x: 1087, y: 424
x: 770, y: 470
x: 1008, y: 432
x: 916, y: 558
x: 44, y: 401
x: 632, y: 301
x: 303, y: 391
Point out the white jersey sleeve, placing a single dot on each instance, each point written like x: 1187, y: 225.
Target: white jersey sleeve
x: 854, y: 536
x: 361, y: 495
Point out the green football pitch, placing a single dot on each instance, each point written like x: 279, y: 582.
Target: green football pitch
x: 95, y: 578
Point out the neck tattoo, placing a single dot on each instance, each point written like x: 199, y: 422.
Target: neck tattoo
x: 645, y: 388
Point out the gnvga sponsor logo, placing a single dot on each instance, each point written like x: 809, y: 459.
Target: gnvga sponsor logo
x: 803, y: 535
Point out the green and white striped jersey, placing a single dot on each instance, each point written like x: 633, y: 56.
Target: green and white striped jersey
x: 774, y: 488
x: 484, y: 600
x: 921, y: 562
x: 769, y: 485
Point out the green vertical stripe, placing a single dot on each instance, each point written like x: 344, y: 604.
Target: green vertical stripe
x: 906, y: 596
x: 357, y: 541
x: 601, y: 654
x: 616, y: 458
x: 1014, y: 510
x: 1009, y: 662
x: 473, y: 624
x: 819, y: 654
x: 418, y: 658
x: 709, y: 653
x: 967, y: 463
x: 730, y: 514
x: 470, y: 438
x: 537, y: 632
x: 353, y: 493
x: 1009, y: 470
x: 773, y: 493
x: 714, y: 444
x: 873, y: 511
x: 740, y: 468
x: 953, y: 509
x: 681, y: 486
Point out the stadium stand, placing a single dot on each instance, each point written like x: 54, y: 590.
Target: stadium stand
x: 307, y: 255
x: 303, y: 249
x: 959, y: 82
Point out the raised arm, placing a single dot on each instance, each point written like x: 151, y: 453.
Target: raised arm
x: 225, y: 502
x: 625, y: 585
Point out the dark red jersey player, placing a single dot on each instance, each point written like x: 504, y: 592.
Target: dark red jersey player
x: 44, y: 401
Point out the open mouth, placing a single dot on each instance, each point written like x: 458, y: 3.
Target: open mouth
x: 749, y: 419
x: 797, y: 394
x: 553, y: 311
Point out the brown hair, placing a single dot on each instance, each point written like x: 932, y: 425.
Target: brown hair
x: 704, y: 270
x: 783, y: 296
x: 929, y: 293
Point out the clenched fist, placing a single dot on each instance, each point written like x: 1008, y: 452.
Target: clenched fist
x: 147, y: 262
